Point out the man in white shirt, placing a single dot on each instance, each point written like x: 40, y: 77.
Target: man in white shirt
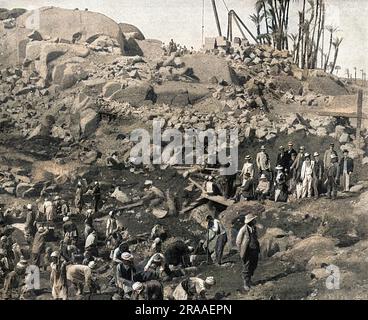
x: 217, y: 233
x: 248, y: 167
x: 306, y: 175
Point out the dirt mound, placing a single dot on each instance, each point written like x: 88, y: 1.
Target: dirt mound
x: 327, y: 86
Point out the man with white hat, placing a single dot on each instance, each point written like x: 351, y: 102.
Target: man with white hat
x: 58, y: 277
x: 125, y: 274
x: 13, y: 281
x: 217, y: 234
x: 78, y: 199
x: 263, y: 161
x: 111, y: 224
x: 318, y: 172
x: 248, y: 167
x: 149, y: 290
x: 82, y: 276
x: 38, y: 246
x: 30, y: 224
x: 248, y: 246
x: 306, y: 175
x: 193, y: 288
x: 70, y: 230
x: 333, y: 176
x: 263, y: 188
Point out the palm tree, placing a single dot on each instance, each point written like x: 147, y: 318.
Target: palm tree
x: 336, y: 43
x: 331, y: 30
x: 257, y: 20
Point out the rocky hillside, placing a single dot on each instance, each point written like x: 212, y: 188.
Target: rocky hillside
x: 69, y: 97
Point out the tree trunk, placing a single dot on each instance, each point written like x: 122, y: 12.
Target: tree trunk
x: 335, y: 59
x: 329, y: 52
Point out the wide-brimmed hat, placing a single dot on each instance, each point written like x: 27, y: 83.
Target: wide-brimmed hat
x: 301, y: 148
x: 263, y: 176
x: 279, y: 167
x: 248, y: 157
x: 127, y: 256
x: 148, y: 182
x: 210, y: 281
x: 290, y: 143
x: 263, y: 148
x: 306, y: 155
x: 249, y: 217
x: 316, y: 154
x: 55, y: 254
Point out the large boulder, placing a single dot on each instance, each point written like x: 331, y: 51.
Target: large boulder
x: 52, y: 22
x: 305, y: 249
x: 68, y: 74
x: 205, y: 67
x: 131, y: 31
x: 179, y: 94
x: 88, y: 122
x: 136, y: 94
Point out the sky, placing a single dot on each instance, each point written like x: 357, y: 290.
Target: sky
x: 182, y: 20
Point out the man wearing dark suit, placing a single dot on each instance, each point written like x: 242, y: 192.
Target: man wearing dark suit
x: 346, y: 169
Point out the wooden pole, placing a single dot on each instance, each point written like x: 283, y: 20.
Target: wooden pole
x: 216, y: 18
x: 359, y: 117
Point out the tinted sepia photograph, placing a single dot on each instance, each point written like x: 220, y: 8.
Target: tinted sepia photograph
x: 183, y: 150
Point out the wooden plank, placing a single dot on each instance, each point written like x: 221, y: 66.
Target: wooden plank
x: 219, y: 199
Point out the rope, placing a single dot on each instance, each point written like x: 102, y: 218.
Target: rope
x: 225, y: 5
x: 203, y: 22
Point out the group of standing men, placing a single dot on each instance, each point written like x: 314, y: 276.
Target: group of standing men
x: 300, y: 174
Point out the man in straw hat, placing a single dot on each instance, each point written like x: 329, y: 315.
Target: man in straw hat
x: 248, y: 246
x: 193, y: 288
x: 125, y: 274
x: 333, y: 176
